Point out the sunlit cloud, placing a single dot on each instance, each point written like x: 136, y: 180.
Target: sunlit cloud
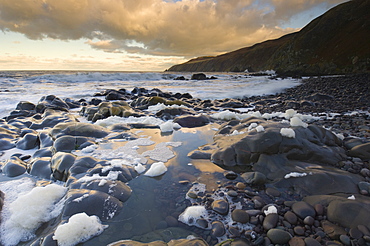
x: 184, y: 28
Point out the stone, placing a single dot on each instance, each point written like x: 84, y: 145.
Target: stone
x: 349, y: 213
x: 29, y: 141
x: 355, y: 233
x: 70, y: 143
x: 240, y: 215
x: 296, y: 241
x: 171, y: 221
x: 254, y: 178
x: 303, y: 209
x: 60, y: 164
x: 272, y: 192
x: 299, y: 230
x: 232, y: 193
x: 218, y: 229
x: 291, y: 217
x: 6, y: 144
x: 332, y: 230
x: 198, y: 76
x: 278, y: 236
x: 40, y: 167
x: 79, y: 129
x: 361, y: 151
x: 220, y: 206
x: 14, y: 167
x: 270, y: 221
x: 309, y: 241
x: 345, y: 239
x: 308, y: 220
x: 192, y: 120
x: 25, y: 105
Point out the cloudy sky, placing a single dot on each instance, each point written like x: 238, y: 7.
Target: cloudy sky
x: 145, y: 35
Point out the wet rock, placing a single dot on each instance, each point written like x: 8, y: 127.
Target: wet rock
x: 240, y: 215
x: 272, y: 192
x: 202, y: 223
x: 299, y: 230
x: 332, y: 230
x: 14, y: 167
x: 41, y: 168
x: 79, y: 129
x: 349, y: 213
x: 254, y: 178
x: 309, y: 241
x: 291, y: 217
x: 270, y: 221
x: 361, y: 151
x: 60, y: 164
x: 116, y: 189
x: 218, y: 229
x: 171, y: 221
x: 355, y: 233
x: 303, y: 209
x: 231, y: 175
x: 296, y: 241
x: 92, y: 202
x: 345, y: 239
x: 192, y: 120
x: 29, y: 141
x: 45, y: 140
x: 364, y: 187
x: 198, y: 76
x: 43, y: 152
x: 70, y: 143
x: 6, y: 144
x: 232, y: 193
x: 25, y: 105
x: 220, y: 206
x: 278, y: 236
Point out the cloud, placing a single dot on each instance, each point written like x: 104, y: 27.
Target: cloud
x: 155, y: 27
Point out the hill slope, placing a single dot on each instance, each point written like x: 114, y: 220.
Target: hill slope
x: 336, y: 42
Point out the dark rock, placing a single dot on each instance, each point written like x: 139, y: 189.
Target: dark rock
x: 202, y: 223
x: 79, y: 129
x: 299, y: 230
x: 6, y: 144
x: 309, y: 241
x: 45, y: 140
x: 296, y: 241
x: 14, y: 167
x: 332, y: 230
x: 218, y: 229
x: 240, y: 215
x: 171, y: 221
x: 24, y: 105
x: 29, y: 141
x: 361, y: 151
x: 303, y: 209
x: 254, y: 178
x: 60, y: 164
x: 231, y: 175
x: 345, y: 239
x: 70, y: 143
x: 232, y: 193
x: 192, y: 120
x: 41, y: 168
x: 355, y: 233
x: 270, y: 221
x: 278, y: 236
x: 199, y: 76
x: 92, y: 203
x: 272, y: 192
x: 43, y: 152
x: 221, y: 207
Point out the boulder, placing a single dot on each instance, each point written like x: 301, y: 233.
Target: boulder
x: 14, y: 167
x: 192, y: 120
x: 79, y: 129
x: 41, y: 168
x: 29, y: 141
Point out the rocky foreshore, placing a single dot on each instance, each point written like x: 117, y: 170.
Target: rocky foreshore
x: 296, y: 165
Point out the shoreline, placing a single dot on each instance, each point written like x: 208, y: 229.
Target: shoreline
x: 292, y: 162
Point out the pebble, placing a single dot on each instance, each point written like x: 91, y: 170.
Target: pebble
x: 309, y: 220
x: 278, y: 236
x: 232, y: 193
x: 319, y: 209
x: 218, y: 229
x: 355, y: 233
x: 309, y: 241
x: 345, y: 239
x: 240, y: 215
x: 291, y: 217
x: 299, y: 230
x: 192, y: 195
x: 240, y: 185
x: 231, y: 175
x: 270, y: 221
x: 296, y: 241
x: 221, y: 207
x: 273, y: 192
x: 303, y: 209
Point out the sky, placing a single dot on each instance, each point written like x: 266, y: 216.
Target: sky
x: 140, y: 35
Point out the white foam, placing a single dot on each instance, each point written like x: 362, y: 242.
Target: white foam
x: 351, y: 197
x: 79, y: 228
x: 156, y: 169
x: 28, y: 211
x: 192, y: 214
x: 289, y: 113
x: 116, y: 119
x: 139, y: 168
x: 160, y: 106
x: 295, y: 121
x: 260, y: 128
x: 271, y: 210
x: 287, y: 132
x: 169, y: 126
x: 295, y: 175
x: 161, y: 152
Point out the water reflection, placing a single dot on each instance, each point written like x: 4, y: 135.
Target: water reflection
x: 156, y: 203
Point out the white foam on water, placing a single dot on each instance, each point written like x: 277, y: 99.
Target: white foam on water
x: 192, y: 214
x: 116, y: 119
x: 161, y: 152
x: 294, y: 175
x: 23, y: 213
x: 156, y: 169
x: 270, y: 210
x: 79, y: 228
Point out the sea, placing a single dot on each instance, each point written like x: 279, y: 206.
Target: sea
x: 30, y: 86
x: 155, y: 202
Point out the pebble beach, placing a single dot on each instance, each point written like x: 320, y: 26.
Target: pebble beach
x: 284, y: 169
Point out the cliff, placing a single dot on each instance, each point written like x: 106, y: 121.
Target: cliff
x: 337, y: 42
